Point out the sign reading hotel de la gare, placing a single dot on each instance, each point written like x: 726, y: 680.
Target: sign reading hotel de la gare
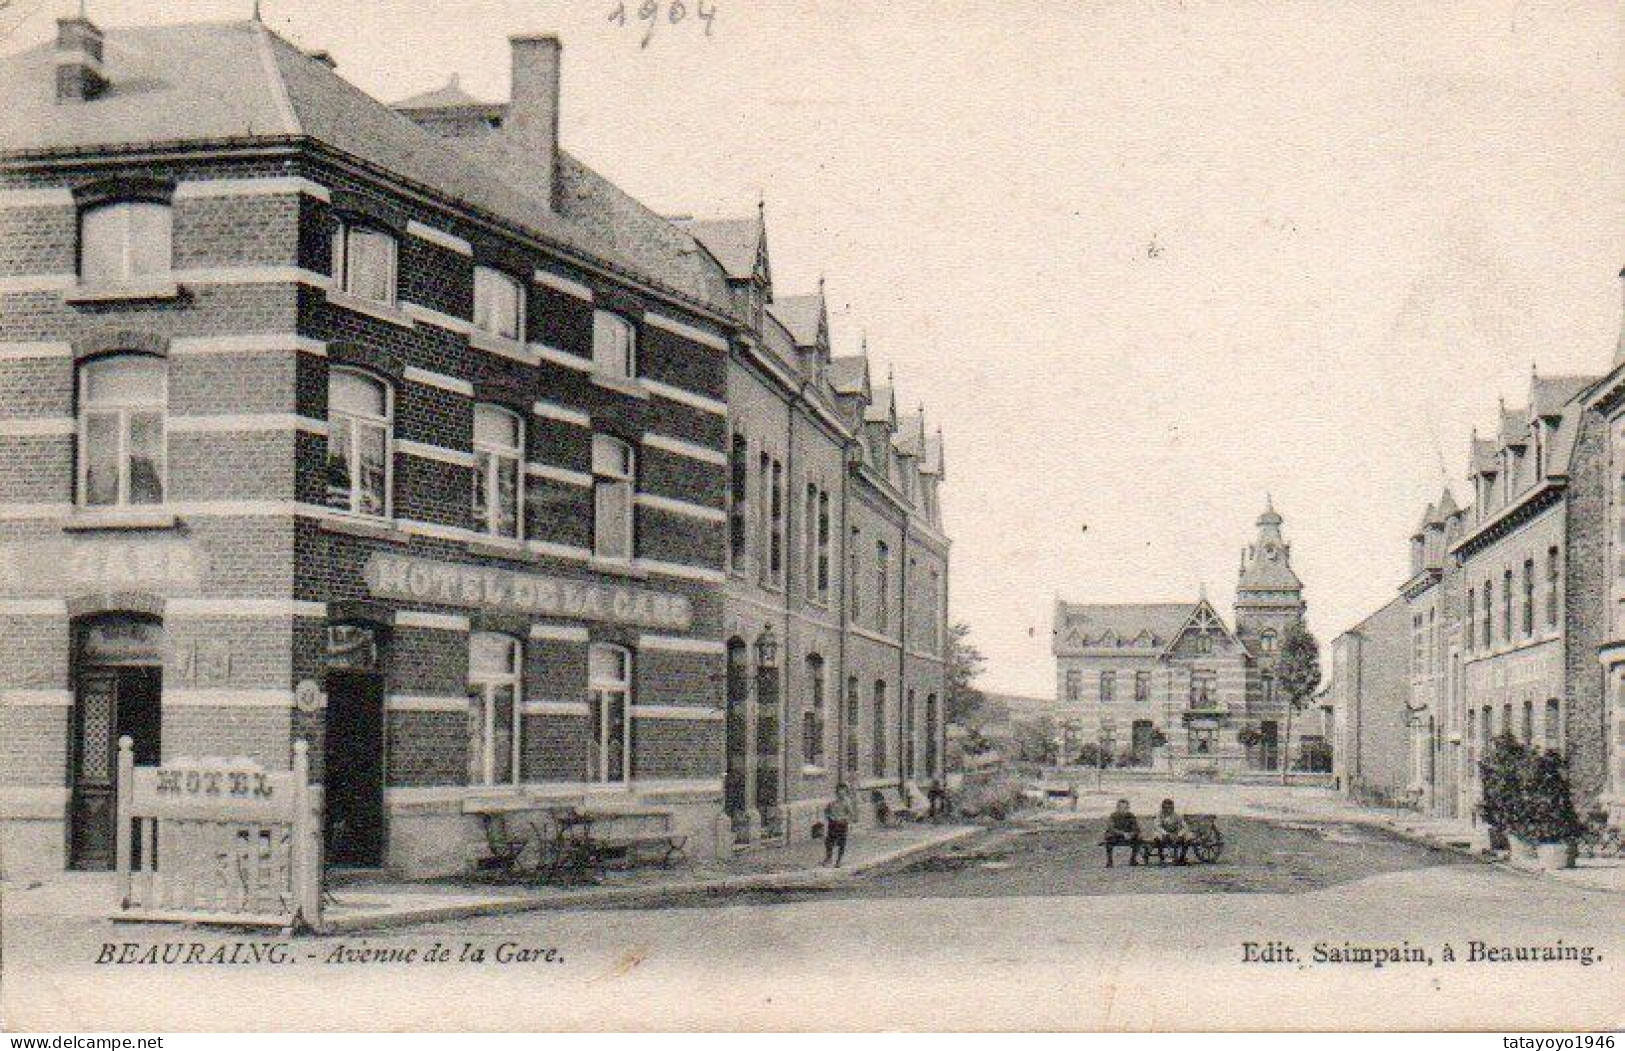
x: 511, y: 591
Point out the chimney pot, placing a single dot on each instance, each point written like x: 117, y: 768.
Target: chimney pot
x: 79, y: 76
x: 533, y: 109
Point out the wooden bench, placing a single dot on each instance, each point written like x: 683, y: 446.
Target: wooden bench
x: 1206, y: 842
x: 635, y: 836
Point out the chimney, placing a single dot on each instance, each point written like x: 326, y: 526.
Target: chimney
x: 78, y: 60
x: 533, y: 109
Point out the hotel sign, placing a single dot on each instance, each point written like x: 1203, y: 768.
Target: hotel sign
x: 507, y: 591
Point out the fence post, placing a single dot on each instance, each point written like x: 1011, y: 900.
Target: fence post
x: 121, y: 816
x: 306, y: 830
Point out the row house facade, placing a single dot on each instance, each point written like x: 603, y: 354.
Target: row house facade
x: 396, y: 430
x: 836, y: 596
x: 1370, y: 668
x: 1171, y: 684
x: 1514, y: 601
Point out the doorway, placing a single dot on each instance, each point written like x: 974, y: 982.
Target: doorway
x: 353, y: 768
x: 118, y: 690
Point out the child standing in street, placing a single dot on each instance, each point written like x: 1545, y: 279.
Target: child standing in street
x: 839, y: 814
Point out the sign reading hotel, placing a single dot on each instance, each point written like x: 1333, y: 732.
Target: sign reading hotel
x: 508, y: 591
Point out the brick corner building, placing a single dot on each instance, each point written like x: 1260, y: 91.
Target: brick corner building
x: 406, y: 437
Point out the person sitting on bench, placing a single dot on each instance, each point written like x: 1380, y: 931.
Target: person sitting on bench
x: 1122, y: 830
x: 1171, y: 831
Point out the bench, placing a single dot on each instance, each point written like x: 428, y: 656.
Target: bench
x: 1205, y: 841
x: 595, y: 839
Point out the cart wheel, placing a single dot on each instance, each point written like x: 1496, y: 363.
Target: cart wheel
x: 1208, y: 853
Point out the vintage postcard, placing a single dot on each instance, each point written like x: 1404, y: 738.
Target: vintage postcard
x: 822, y: 515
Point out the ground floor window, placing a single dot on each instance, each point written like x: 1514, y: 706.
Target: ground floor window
x: 609, y: 679
x: 493, y: 712
x: 1204, y: 740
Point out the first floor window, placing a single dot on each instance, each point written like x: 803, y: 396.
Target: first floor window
x: 1142, y: 686
x: 609, y: 681
x: 1074, y: 684
x: 1554, y: 724
x: 124, y: 241
x: 499, y: 304
x: 122, y: 401
x: 738, y: 501
x: 1204, y: 689
x: 358, y: 443
x: 613, y: 469
x: 499, y: 439
x: 614, y: 345
x: 1553, y: 580
x: 364, y: 263
x: 493, y: 713
x: 1108, y: 687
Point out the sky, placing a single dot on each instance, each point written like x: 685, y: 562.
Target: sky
x: 1144, y: 262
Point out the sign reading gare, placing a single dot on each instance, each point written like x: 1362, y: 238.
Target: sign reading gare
x: 508, y: 591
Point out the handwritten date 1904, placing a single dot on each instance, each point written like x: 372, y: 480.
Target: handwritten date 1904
x: 672, y: 12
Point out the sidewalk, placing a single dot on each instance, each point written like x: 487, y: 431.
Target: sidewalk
x: 365, y: 903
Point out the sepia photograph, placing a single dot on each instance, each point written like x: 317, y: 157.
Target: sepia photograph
x: 813, y: 516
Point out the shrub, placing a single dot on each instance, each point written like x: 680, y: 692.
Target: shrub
x: 1546, y: 811
x: 1526, y: 793
x: 1500, y: 778
x: 1250, y: 736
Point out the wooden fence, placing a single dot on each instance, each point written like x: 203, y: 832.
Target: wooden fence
x: 219, y: 841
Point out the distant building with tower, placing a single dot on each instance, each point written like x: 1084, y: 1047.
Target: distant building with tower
x: 1171, y: 685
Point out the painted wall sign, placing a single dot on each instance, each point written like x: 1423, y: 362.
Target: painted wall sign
x: 507, y: 591
x: 92, y: 565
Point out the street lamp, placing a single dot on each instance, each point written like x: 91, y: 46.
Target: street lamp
x: 767, y: 649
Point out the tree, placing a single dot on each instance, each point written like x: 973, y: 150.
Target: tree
x: 1035, y: 739
x: 965, y: 665
x: 1298, y: 675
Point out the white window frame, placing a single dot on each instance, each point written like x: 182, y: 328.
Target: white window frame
x: 604, y: 446
x: 485, y: 277
x: 487, y: 683
x: 601, y: 692
x: 123, y: 411
x: 341, y: 260
x: 495, y: 455
x: 386, y: 422
x: 123, y: 207
x: 601, y: 321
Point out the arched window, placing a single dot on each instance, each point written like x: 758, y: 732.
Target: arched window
x: 359, y: 452
x: 122, y: 401
x: 1267, y: 640
x: 852, y: 722
x: 613, y: 469
x: 812, y: 718
x: 494, y: 662
x: 124, y: 241
x: 932, y: 717
x: 499, y: 304
x: 364, y: 262
x: 609, y: 680
x: 499, y: 455
x: 614, y: 346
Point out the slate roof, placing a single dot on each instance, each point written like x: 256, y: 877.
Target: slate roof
x: 733, y: 243
x: 801, y: 315
x: 449, y: 96
x: 1262, y: 574
x: 233, y: 82
x: 1162, y: 621
x: 882, y: 406
x: 849, y: 375
x: 1548, y: 394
